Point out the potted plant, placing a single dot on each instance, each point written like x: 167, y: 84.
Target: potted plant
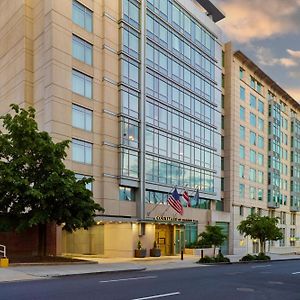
x: 155, y: 251
x: 139, y: 252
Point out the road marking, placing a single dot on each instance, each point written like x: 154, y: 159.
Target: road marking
x: 234, y: 273
x: 158, y: 296
x: 127, y: 279
x: 245, y: 290
x: 264, y: 266
x: 296, y: 273
x: 275, y: 282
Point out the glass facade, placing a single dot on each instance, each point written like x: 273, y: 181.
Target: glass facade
x: 182, y: 116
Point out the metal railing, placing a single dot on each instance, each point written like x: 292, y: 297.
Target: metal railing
x: 3, y: 251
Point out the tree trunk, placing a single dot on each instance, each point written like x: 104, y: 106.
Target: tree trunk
x: 262, y: 246
x: 214, y: 251
x: 42, y: 243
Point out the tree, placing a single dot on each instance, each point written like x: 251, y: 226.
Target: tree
x: 212, y: 236
x: 261, y: 228
x: 35, y: 186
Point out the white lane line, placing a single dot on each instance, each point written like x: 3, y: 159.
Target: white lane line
x: 296, y: 273
x: 264, y: 266
x: 127, y: 279
x: 158, y: 296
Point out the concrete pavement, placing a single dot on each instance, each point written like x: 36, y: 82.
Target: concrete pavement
x: 104, y: 265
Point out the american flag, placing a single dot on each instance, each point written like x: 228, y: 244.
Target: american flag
x: 186, y: 197
x: 174, y: 201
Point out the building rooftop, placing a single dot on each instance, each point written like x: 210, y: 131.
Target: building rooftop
x: 263, y: 76
x: 212, y: 10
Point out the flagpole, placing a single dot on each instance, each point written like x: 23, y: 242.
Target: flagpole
x: 168, y: 197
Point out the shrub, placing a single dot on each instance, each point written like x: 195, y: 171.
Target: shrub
x: 221, y: 258
x: 206, y: 260
x: 248, y: 257
x: 263, y: 256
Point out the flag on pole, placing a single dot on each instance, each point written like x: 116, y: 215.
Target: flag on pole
x: 186, y: 197
x: 196, y: 197
x: 174, y: 201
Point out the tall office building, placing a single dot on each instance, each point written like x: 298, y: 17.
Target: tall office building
x: 261, y: 152
x: 136, y: 87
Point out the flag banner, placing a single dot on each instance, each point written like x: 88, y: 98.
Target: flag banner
x: 174, y: 201
x: 196, y: 198
x: 186, y: 197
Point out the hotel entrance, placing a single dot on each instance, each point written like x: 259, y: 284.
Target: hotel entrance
x: 169, y: 238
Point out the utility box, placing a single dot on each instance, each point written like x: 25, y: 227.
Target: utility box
x: 4, y: 262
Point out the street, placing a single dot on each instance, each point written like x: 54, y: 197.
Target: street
x: 270, y: 280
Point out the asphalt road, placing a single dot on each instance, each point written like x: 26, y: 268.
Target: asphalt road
x: 271, y: 280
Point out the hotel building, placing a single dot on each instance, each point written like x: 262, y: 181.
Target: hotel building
x: 136, y: 87
x: 261, y: 152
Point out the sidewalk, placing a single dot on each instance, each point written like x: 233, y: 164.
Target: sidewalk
x: 105, y: 265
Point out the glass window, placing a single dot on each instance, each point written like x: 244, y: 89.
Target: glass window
x: 82, y: 84
x: 260, y: 194
x: 260, y: 123
x: 252, y: 156
x: 242, y: 71
x: 242, y: 132
x: 252, y: 138
x: 130, y: 163
x: 260, y: 106
x: 130, y: 133
x: 260, y: 142
x: 82, y: 50
x: 242, y: 171
x: 252, y: 101
x: 82, y: 118
x: 126, y: 193
x: 242, y: 191
x: 242, y: 152
x: 131, y: 13
x: 252, y: 82
x: 242, y: 113
x: 242, y: 93
x: 252, y: 174
x: 260, y: 159
x: 260, y: 177
x: 130, y: 73
x: 253, y: 119
x: 130, y: 103
x: 131, y: 42
x: 252, y: 192
x: 82, y: 16
x: 81, y: 151
x: 88, y: 186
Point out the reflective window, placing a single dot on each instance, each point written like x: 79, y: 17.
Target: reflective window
x: 130, y: 102
x: 242, y: 152
x: 130, y: 163
x: 81, y: 151
x: 131, y: 13
x: 130, y: 133
x: 82, y: 118
x: 252, y: 119
x: 82, y: 84
x: 242, y: 113
x: 260, y: 142
x: 242, y: 191
x: 252, y: 138
x: 252, y: 101
x: 131, y: 42
x: 82, y: 50
x: 242, y: 132
x: 252, y: 174
x: 130, y: 73
x: 82, y: 16
x: 260, y: 159
x: 260, y: 124
x: 242, y: 171
x: 89, y: 186
x: 252, y: 156
x: 260, y: 106
x: 242, y: 93
x: 126, y: 193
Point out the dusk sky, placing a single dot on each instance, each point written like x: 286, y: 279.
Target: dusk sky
x: 268, y: 32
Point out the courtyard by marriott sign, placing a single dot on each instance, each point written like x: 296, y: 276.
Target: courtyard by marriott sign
x: 165, y: 218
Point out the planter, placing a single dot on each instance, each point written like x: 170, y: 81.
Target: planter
x: 3, y: 262
x: 155, y: 252
x: 140, y: 253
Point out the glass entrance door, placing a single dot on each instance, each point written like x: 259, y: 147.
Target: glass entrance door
x: 179, y: 240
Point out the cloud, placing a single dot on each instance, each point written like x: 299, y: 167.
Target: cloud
x: 293, y: 53
x: 266, y: 57
x: 250, y: 20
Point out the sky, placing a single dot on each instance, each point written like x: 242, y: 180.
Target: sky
x: 268, y: 32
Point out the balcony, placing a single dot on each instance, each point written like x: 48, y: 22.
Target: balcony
x: 273, y: 204
x: 294, y: 208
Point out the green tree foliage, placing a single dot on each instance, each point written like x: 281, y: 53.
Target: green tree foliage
x: 35, y: 186
x: 261, y: 228
x: 211, y: 237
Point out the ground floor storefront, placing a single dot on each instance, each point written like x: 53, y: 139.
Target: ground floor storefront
x: 120, y: 237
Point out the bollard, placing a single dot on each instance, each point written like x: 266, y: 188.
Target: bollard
x: 181, y: 254
x: 202, y: 253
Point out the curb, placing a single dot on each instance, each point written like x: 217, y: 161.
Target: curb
x: 53, y: 264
